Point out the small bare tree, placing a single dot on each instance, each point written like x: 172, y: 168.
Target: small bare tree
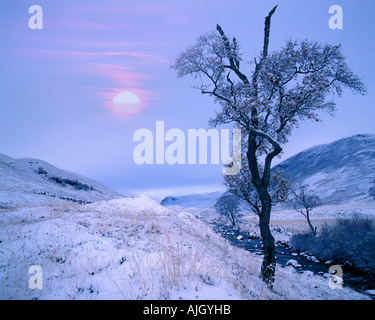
x: 304, y: 201
x: 228, y: 206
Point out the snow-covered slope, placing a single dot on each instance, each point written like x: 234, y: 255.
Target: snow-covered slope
x: 203, y: 200
x: 26, y: 182
x: 337, y: 172
x: 134, y: 248
x: 123, y: 248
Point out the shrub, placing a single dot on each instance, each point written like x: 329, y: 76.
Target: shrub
x: 228, y: 206
x: 371, y: 192
x: 74, y: 183
x: 347, y: 241
x: 41, y: 171
x: 57, y: 180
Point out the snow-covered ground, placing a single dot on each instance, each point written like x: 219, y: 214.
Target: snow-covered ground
x: 134, y: 248
x: 291, y: 222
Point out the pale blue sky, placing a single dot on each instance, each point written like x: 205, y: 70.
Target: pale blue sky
x: 56, y: 84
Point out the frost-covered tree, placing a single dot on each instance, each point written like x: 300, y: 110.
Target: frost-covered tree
x: 304, y: 201
x: 228, y: 206
x: 266, y: 100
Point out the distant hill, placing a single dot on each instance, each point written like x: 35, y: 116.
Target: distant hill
x: 203, y: 200
x: 337, y: 172
x: 31, y: 181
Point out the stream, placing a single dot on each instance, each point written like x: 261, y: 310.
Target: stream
x: 352, y: 277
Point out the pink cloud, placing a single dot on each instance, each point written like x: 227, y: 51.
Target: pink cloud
x: 135, y: 8
x: 119, y: 75
x: 74, y: 42
x: 71, y: 24
x: 54, y: 54
x: 113, y: 78
x: 87, y: 63
x: 130, y: 11
x: 120, y: 79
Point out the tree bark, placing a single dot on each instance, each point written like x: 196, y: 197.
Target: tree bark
x: 269, y: 259
x: 232, y: 219
x: 309, y: 222
x: 267, y: 27
x: 261, y: 185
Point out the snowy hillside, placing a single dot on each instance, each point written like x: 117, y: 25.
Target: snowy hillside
x: 134, y: 248
x: 203, y: 200
x: 30, y: 181
x: 337, y: 172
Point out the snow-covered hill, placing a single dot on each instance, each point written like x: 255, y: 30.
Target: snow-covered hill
x: 203, y: 200
x: 338, y: 172
x: 27, y: 182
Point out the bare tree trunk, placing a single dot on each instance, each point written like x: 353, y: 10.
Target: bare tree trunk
x: 261, y: 185
x: 232, y: 219
x: 269, y: 259
x: 309, y: 222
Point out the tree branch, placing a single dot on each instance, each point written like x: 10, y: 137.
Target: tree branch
x: 234, y: 65
x: 267, y: 27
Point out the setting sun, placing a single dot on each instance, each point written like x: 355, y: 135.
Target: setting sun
x: 125, y: 104
x: 126, y: 97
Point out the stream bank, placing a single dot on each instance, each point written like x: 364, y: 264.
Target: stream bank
x: 302, y: 261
